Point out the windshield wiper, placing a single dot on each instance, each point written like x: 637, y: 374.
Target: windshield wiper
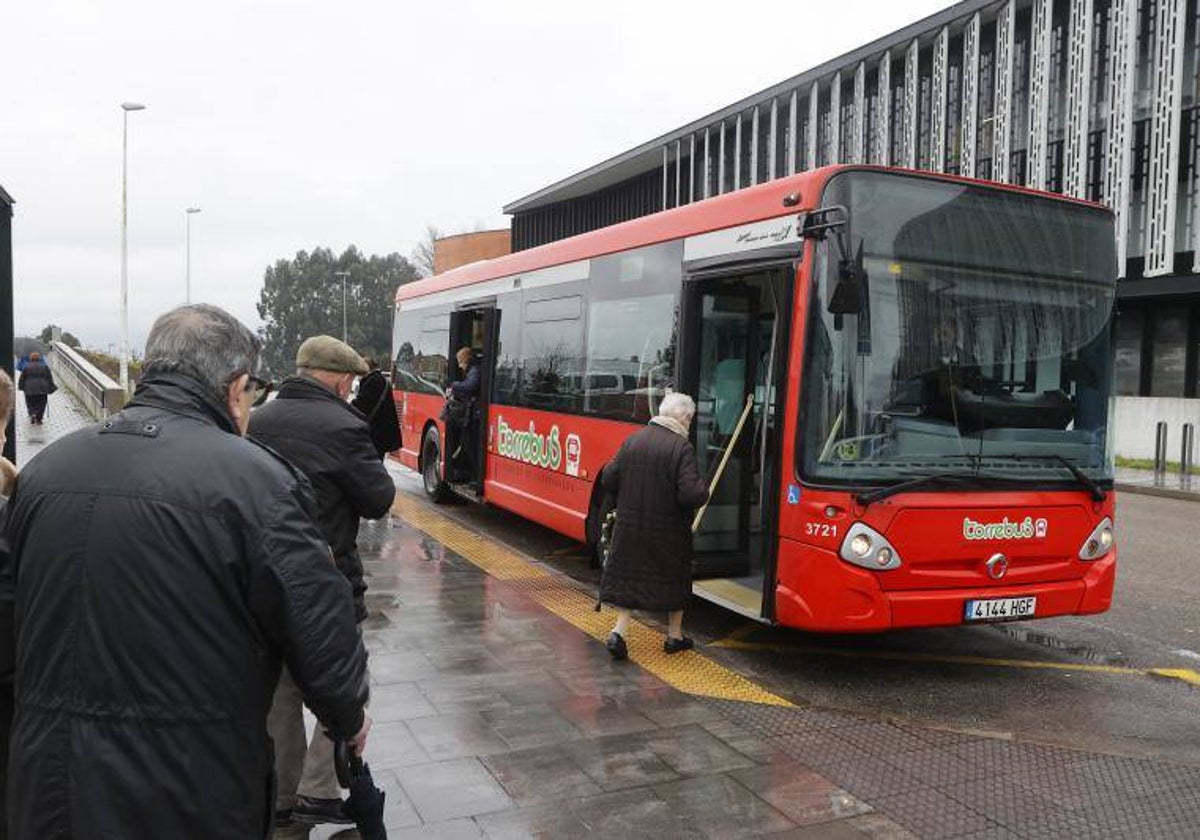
x: 1098, y: 493
x: 867, y: 499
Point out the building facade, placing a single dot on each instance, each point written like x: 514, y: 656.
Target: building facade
x: 1097, y: 99
x: 450, y: 252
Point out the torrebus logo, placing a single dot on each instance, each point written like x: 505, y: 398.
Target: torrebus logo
x: 1026, y: 529
x: 529, y: 447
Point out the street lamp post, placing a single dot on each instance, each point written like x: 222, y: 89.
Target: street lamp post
x: 191, y: 211
x: 126, y: 107
x: 343, y: 275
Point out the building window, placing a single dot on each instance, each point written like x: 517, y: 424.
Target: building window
x: 952, y: 162
x: 1128, y: 366
x: 896, y: 147
x: 1170, y: 352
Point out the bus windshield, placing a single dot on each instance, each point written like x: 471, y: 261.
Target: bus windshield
x: 981, y: 340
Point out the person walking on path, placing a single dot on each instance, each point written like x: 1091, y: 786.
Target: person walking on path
x: 162, y: 568
x: 37, y: 382
x: 310, y: 423
x: 657, y: 486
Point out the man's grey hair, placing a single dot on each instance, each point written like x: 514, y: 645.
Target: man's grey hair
x: 677, y: 405
x: 203, y: 342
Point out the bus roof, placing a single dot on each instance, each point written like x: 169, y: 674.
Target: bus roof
x: 744, y: 206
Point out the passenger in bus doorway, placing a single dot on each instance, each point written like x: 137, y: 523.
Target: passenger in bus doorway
x: 466, y: 391
x: 657, y: 486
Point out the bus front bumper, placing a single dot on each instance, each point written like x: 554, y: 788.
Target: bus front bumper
x: 818, y: 591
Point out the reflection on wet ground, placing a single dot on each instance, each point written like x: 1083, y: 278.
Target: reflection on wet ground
x: 1052, y: 642
x: 493, y: 716
x: 496, y: 718
x: 1173, y: 483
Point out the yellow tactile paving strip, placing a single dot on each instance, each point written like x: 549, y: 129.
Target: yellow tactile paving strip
x: 690, y: 672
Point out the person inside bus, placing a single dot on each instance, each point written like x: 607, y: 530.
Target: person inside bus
x: 657, y: 486
x: 948, y: 365
x: 466, y: 391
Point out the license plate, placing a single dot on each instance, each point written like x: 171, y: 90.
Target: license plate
x: 1000, y: 608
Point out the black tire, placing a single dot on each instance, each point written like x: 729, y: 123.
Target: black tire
x: 431, y: 467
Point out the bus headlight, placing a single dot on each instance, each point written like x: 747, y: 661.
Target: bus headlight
x: 866, y: 547
x: 1099, y: 542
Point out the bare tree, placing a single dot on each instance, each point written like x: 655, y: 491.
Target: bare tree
x: 422, y: 253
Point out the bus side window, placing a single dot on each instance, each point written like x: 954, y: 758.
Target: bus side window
x: 630, y: 355
x: 552, y: 353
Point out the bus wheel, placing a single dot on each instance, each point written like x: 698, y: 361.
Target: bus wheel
x: 431, y: 467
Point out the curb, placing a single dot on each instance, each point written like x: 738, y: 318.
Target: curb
x: 1161, y: 492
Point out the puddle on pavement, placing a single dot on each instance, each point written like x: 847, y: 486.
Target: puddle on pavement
x: 1034, y: 637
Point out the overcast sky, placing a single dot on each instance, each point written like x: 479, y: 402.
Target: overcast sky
x: 299, y: 124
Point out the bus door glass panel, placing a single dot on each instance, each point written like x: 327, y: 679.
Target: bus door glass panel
x: 725, y: 321
x: 506, y: 350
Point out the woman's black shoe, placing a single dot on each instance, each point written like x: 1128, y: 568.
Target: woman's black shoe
x: 677, y: 645
x: 617, y: 648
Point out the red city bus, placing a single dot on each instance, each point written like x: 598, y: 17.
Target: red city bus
x: 926, y: 360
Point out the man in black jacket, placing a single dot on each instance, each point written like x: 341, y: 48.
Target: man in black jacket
x: 311, y: 424
x: 163, y: 568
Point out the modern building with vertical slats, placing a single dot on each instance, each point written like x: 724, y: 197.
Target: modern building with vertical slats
x: 1098, y: 99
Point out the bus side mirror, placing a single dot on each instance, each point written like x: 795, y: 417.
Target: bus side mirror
x: 846, y: 296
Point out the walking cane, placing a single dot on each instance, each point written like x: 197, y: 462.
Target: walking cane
x: 737, y: 431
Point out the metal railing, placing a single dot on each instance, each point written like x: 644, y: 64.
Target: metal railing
x: 99, y: 394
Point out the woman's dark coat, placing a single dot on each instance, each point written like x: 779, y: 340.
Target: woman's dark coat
x: 160, y: 569
x: 375, y: 401
x: 37, y: 380
x: 657, y: 486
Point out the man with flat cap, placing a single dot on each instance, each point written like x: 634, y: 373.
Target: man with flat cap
x: 311, y: 424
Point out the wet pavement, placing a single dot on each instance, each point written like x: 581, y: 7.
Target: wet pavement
x: 63, y: 416
x: 1173, y: 484
x: 495, y: 717
x: 499, y: 714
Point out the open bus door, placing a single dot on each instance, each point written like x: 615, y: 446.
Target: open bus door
x: 733, y: 352
x: 473, y: 326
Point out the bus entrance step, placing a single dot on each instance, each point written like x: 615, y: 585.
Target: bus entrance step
x: 468, y: 491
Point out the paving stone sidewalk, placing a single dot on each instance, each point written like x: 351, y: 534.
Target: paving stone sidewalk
x: 495, y: 718
x: 63, y: 416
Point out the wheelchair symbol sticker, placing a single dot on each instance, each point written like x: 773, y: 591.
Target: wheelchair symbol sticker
x: 793, y: 496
